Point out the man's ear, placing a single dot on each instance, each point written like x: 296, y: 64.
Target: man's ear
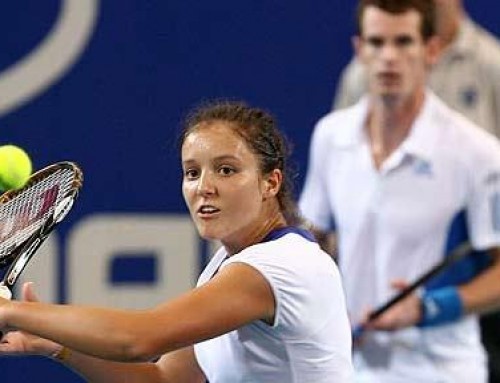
x: 272, y: 183
x: 434, y: 49
x: 356, y: 45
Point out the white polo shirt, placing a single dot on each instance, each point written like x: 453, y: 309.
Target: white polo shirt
x: 441, y: 184
x: 310, y: 338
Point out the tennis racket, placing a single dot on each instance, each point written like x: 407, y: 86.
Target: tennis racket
x: 460, y: 252
x: 29, y: 214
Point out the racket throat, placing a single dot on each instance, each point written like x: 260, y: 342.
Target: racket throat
x: 18, y: 266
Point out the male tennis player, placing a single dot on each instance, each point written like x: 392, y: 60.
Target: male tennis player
x: 467, y: 78
x: 405, y: 179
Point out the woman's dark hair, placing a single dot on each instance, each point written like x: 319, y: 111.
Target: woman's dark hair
x: 426, y: 9
x: 259, y: 130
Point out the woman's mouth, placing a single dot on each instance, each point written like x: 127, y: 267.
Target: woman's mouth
x: 207, y: 210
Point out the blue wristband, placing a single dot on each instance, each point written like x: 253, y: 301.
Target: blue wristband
x: 440, y: 306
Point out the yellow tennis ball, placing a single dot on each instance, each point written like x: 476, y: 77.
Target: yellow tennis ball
x: 15, y: 167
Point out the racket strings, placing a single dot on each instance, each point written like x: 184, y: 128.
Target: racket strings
x: 28, y: 211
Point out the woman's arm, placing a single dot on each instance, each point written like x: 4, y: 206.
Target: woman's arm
x: 238, y: 295
x: 176, y: 367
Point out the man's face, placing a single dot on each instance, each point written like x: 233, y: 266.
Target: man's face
x: 394, y: 53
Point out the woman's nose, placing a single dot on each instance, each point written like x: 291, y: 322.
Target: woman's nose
x: 206, y: 184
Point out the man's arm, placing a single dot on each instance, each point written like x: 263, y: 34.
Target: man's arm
x: 482, y: 294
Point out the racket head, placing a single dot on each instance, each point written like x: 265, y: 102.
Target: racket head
x: 29, y: 214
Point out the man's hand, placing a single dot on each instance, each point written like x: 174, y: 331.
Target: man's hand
x: 406, y: 313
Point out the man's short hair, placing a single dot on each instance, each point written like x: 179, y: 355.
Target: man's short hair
x: 426, y: 9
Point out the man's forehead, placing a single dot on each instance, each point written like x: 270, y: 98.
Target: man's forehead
x: 377, y: 21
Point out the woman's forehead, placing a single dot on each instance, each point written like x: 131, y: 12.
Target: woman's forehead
x: 214, y: 139
x: 217, y: 131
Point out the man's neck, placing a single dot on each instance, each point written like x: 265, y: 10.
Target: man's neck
x: 389, y: 123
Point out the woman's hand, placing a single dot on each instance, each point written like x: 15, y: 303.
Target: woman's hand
x: 20, y: 342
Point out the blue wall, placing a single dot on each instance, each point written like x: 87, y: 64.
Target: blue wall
x: 116, y: 107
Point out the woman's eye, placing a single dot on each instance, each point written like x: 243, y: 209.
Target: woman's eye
x: 190, y: 173
x: 226, y: 170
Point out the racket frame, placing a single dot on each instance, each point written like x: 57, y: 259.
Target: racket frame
x: 23, y: 253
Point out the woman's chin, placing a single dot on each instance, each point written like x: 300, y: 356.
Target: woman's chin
x: 209, y: 235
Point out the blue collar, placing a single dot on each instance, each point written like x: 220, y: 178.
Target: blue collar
x: 278, y: 233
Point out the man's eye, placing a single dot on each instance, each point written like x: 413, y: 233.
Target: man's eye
x: 404, y: 41
x: 375, y: 42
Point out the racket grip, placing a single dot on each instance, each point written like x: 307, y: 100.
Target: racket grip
x: 357, y: 332
x: 5, y: 292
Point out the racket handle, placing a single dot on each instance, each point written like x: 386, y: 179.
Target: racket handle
x: 5, y: 292
x: 357, y: 332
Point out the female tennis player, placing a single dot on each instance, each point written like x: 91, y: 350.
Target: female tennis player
x: 269, y: 306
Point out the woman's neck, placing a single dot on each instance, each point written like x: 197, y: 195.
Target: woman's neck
x: 255, y: 234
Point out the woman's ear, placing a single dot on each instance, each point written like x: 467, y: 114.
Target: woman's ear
x: 272, y: 183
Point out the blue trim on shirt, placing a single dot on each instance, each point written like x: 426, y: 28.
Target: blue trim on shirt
x: 278, y: 233
x: 466, y: 269
x: 333, y: 224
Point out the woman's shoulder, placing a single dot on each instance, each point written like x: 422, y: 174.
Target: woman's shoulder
x: 213, y: 265
x: 291, y: 253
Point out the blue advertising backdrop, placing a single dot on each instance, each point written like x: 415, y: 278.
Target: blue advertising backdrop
x: 106, y: 84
